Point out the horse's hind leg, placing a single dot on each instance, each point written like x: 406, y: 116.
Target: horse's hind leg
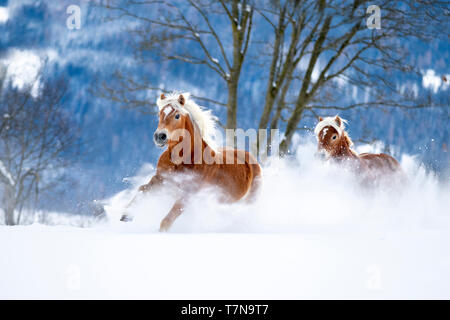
x: 176, y: 210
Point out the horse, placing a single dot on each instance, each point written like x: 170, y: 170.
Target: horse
x: 185, y: 131
x: 335, y: 142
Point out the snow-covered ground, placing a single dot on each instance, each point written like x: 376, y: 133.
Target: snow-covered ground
x: 312, y: 234
x: 66, y: 262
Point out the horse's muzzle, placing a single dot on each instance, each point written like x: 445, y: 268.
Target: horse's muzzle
x: 161, y: 138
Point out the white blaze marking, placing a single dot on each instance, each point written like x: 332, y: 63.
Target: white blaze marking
x: 324, y: 132
x: 167, y: 110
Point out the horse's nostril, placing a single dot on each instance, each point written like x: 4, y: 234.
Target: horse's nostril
x: 160, y: 137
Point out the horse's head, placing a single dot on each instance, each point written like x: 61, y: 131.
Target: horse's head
x: 173, y: 121
x: 331, y: 135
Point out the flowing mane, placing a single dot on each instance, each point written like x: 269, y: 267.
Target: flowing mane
x: 203, y: 119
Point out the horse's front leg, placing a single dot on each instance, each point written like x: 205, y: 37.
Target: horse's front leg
x: 176, y: 210
x: 155, y: 181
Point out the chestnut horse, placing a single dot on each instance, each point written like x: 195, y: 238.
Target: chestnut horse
x: 185, y: 130
x: 335, y: 142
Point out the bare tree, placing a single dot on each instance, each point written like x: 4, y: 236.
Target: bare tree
x: 168, y: 28
x: 285, y: 18
x: 334, y: 44
x: 36, y: 143
x: 315, y: 47
x: 125, y: 91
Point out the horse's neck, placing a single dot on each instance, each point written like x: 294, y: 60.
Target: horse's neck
x: 343, y: 151
x: 198, y: 144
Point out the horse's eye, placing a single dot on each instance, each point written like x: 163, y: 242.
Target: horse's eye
x: 334, y: 137
x: 177, y: 116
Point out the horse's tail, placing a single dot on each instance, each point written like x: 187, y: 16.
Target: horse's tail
x: 256, y: 182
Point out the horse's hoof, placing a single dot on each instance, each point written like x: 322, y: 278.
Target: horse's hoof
x: 164, y: 227
x: 126, y: 218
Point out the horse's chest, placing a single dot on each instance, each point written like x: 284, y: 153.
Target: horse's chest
x: 202, y: 175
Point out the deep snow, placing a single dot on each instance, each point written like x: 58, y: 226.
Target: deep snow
x: 66, y: 262
x: 313, y: 233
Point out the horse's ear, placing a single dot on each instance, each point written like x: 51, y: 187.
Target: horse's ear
x: 181, y: 99
x: 338, y: 121
x: 320, y: 119
x: 162, y: 96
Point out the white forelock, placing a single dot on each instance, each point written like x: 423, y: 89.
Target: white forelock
x: 330, y: 122
x: 203, y: 119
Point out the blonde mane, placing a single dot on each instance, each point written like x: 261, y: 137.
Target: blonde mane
x: 331, y: 122
x: 203, y: 119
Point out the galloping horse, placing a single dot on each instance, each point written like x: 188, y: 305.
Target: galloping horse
x: 334, y: 140
x: 185, y: 129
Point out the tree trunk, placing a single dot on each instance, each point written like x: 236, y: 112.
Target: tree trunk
x: 304, y: 96
x: 291, y: 128
x: 9, y: 205
x: 282, y: 98
x: 241, y: 26
x: 272, y: 89
x: 268, y: 106
x: 9, y: 216
x: 232, y: 104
